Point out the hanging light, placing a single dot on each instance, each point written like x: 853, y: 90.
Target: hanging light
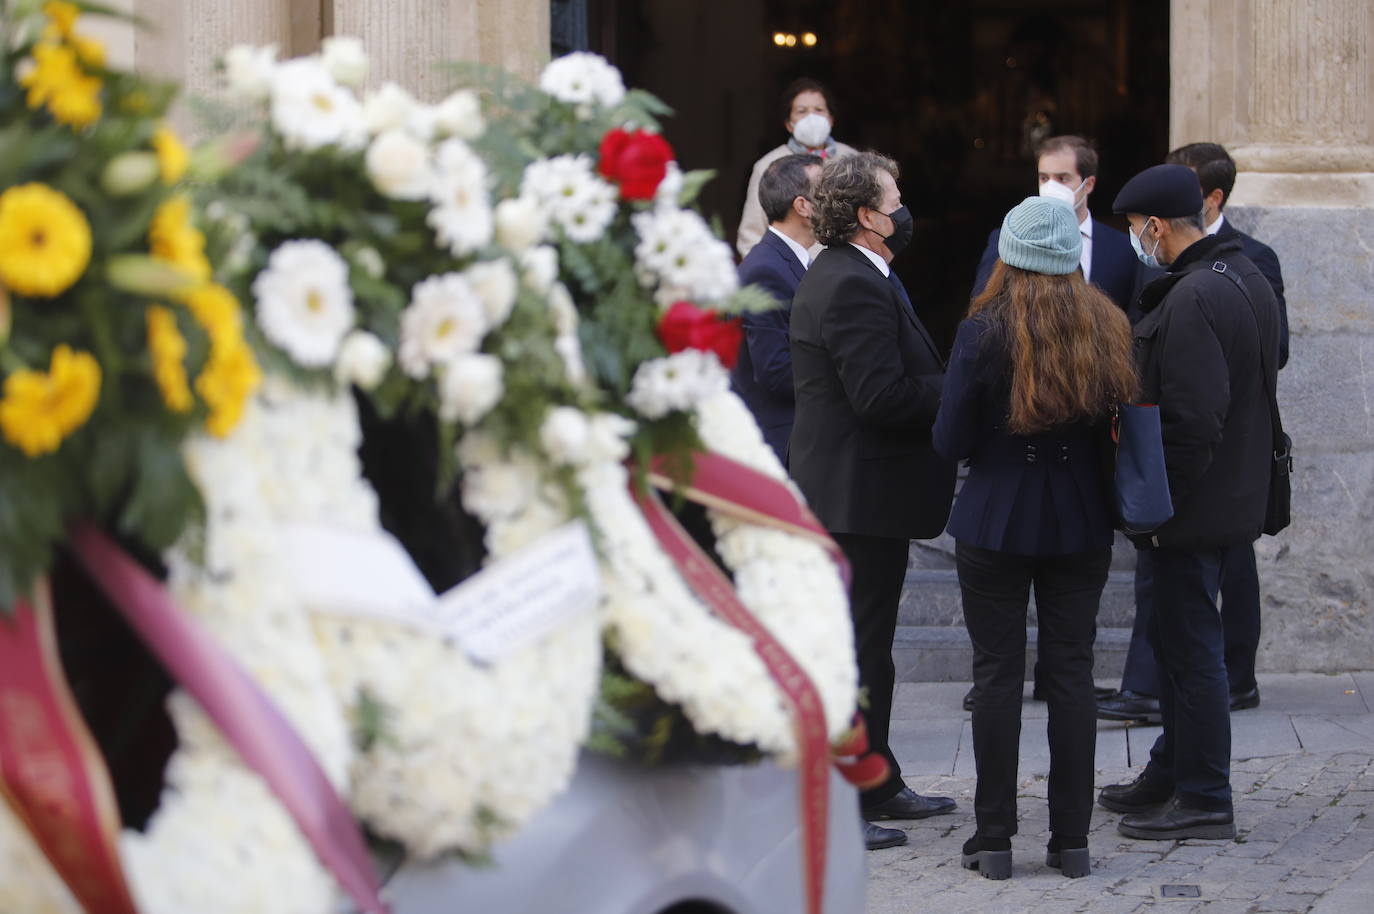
x: 809, y: 39
x: 779, y: 38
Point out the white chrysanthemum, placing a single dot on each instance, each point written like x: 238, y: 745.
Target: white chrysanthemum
x: 520, y: 224
x: 304, y: 302
x: 445, y: 318
x: 670, y: 188
x: 469, y: 387
x: 678, y: 382
x: 576, y: 200
x: 496, y: 284
x: 399, y: 166
x: 563, y: 313
x: 363, y: 360
x: 681, y: 257
x: 583, y: 79
x: 248, y: 71
x: 460, y: 115
x: 566, y: 435
x: 461, y: 217
x: 369, y: 260
x: 539, y: 268
x: 388, y: 108
x: 310, y: 110
x: 346, y: 59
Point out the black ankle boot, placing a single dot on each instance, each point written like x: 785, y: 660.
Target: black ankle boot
x: 1068, y: 854
x: 991, y: 857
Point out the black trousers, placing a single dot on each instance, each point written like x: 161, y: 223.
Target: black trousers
x: 878, y: 564
x: 996, y: 589
x: 1240, y: 622
x: 1194, y: 752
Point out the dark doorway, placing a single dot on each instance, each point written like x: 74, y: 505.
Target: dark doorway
x: 957, y: 92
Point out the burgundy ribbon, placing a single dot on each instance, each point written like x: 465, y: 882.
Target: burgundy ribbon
x: 239, y: 708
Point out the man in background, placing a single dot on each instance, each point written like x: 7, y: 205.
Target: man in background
x: 763, y: 374
x: 1240, y: 594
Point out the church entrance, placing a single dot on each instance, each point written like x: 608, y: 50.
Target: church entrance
x: 958, y: 93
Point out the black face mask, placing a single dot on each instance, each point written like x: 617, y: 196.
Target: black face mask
x: 902, y: 227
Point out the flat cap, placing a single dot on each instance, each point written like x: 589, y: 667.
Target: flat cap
x: 1167, y: 191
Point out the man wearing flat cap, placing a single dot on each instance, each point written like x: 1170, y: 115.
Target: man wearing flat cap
x: 1206, y: 347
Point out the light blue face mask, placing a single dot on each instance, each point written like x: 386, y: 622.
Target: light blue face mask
x: 1150, y: 260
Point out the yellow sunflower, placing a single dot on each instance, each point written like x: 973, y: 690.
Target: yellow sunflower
x: 39, y: 409
x: 174, y: 239
x: 45, y: 241
x: 168, y: 348
x: 172, y: 157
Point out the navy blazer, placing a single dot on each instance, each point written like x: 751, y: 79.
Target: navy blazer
x: 1115, y: 268
x: 763, y: 374
x: 868, y: 380
x: 1044, y: 494
x: 1264, y: 258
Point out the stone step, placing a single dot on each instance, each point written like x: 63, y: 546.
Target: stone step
x: 942, y: 653
x: 930, y: 597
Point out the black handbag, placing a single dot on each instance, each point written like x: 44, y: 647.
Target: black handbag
x: 1278, y: 512
x: 1141, y: 482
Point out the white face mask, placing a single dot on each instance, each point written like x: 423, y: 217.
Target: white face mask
x: 812, y: 131
x: 1061, y: 192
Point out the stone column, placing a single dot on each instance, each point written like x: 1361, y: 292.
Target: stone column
x: 407, y: 38
x: 1288, y: 88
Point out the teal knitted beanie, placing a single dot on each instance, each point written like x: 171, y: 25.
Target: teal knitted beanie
x: 1041, y: 235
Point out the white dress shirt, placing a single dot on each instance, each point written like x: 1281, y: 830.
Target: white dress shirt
x: 876, y: 258
x: 1085, y: 259
x: 1215, y: 226
x: 802, y: 253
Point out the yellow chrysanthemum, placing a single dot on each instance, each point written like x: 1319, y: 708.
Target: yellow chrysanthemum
x: 45, y: 241
x: 40, y: 409
x: 216, y: 310
x: 168, y: 349
x: 172, y: 157
x: 57, y: 80
x: 90, y: 50
x: 174, y: 239
x: 226, y: 383
x: 62, y: 15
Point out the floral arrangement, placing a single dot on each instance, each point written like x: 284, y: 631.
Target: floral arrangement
x: 115, y: 343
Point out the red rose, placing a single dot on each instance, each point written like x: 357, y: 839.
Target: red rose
x: 636, y: 161
x: 685, y: 326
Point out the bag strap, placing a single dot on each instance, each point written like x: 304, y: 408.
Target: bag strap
x: 1221, y: 269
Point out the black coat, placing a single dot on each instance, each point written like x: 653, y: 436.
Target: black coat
x: 1267, y: 262
x: 867, y: 379
x: 763, y: 374
x: 1043, y: 494
x: 1198, y: 349
x: 1115, y: 268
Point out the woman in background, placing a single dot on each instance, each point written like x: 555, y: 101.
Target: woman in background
x: 1035, y: 372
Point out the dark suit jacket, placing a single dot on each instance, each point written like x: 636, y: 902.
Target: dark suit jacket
x: 1042, y: 494
x: 763, y: 374
x: 1263, y: 257
x: 867, y: 380
x: 1115, y: 268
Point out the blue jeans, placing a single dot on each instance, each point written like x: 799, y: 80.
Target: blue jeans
x: 1194, y: 751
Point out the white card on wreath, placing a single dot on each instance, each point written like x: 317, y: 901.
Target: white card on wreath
x: 524, y: 596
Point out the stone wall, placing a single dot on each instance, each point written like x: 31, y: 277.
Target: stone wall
x: 1289, y: 89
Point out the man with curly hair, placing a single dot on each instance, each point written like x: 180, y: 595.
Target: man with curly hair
x: 868, y: 380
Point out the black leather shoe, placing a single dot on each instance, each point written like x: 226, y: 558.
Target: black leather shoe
x: 1241, y: 701
x: 968, y: 698
x: 909, y: 805
x: 991, y: 857
x: 1128, y: 705
x: 1068, y: 855
x: 1176, y: 820
x: 1138, y: 796
x: 876, y: 837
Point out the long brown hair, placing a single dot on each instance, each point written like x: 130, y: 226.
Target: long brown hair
x: 1068, y: 343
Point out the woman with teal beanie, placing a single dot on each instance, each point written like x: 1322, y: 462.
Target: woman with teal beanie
x: 1036, y: 369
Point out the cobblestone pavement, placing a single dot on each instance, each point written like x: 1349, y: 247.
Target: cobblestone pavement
x: 1305, y: 837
